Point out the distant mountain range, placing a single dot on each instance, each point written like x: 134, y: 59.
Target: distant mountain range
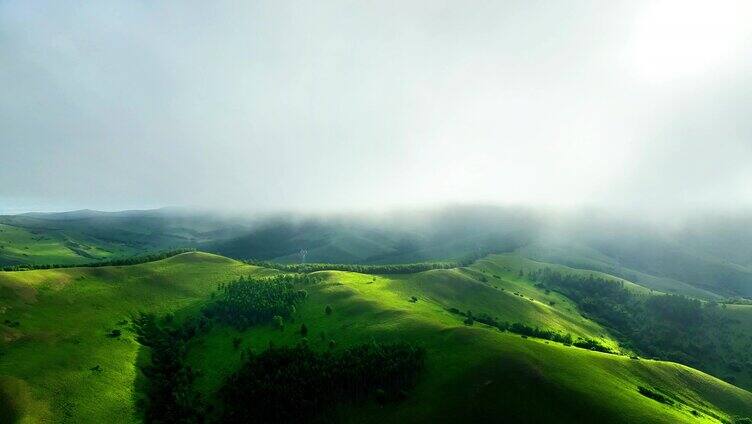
x: 706, y: 257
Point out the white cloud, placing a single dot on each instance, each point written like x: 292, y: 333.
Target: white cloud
x: 332, y: 105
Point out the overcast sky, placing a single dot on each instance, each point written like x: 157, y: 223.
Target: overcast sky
x: 325, y: 105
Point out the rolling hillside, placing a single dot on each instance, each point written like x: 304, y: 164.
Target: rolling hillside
x: 39, y: 246
x: 62, y: 361
x: 704, y: 258
x: 50, y: 358
x: 80, y: 237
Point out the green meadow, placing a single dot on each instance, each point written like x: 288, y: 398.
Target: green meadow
x: 41, y: 246
x: 59, y: 364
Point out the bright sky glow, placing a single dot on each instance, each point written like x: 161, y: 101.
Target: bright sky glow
x: 373, y: 105
x: 675, y: 39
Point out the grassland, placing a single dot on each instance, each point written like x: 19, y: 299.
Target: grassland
x: 50, y: 359
x: 19, y: 245
x: 59, y: 365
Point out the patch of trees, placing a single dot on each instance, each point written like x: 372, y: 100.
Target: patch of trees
x: 134, y: 260
x: 362, y: 269
x: 249, y: 301
x: 652, y: 394
x: 669, y: 327
x: 519, y: 328
x: 12, y: 324
x: 294, y: 384
x: 170, y: 397
x: 591, y: 344
x: 606, y: 299
x: 739, y: 300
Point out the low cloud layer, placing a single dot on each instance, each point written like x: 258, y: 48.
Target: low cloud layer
x: 328, y: 106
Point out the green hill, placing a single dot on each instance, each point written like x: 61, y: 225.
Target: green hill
x: 61, y: 362
x: 49, y: 361
x: 22, y: 246
x: 706, y: 257
x: 81, y: 237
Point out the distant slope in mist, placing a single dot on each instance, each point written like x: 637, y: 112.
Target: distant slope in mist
x: 707, y: 258
x: 86, y: 236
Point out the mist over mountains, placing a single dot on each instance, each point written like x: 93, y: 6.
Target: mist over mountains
x: 708, y: 256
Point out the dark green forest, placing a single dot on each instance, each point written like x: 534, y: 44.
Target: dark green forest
x: 668, y: 327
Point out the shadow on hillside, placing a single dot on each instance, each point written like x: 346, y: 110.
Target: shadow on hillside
x: 140, y: 383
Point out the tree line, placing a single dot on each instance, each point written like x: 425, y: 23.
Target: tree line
x: 407, y: 268
x: 527, y: 331
x: 362, y: 269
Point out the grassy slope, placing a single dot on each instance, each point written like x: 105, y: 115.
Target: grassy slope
x: 86, y: 236
x: 478, y: 373
x: 474, y: 373
x: 20, y: 245
x: 65, y: 315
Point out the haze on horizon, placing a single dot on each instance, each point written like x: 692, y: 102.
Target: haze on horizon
x: 327, y: 106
